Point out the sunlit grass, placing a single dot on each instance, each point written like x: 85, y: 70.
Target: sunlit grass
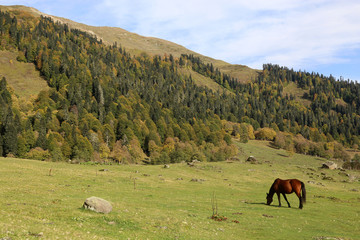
x: 22, y: 77
x: 151, y: 202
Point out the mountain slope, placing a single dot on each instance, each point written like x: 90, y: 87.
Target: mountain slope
x: 103, y: 103
x: 137, y: 44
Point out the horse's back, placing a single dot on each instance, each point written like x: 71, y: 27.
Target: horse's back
x: 287, y: 185
x: 286, y: 181
x: 295, y: 181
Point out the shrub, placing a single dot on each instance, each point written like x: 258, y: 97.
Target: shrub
x: 21, y: 57
x: 38, y: 154
x: 162, y: 158
x: 136, y: 151
x: 265, y: 134
x: 301, y: 144
x: 83, y: 151
x: 353, y: 164
x: 183, y: 152
x: 56, y: 154
x: 222, y: 152
x: 120, y: 153
x: 227, y: 139
x: 284, y: 141
x: 340, y: 153
x: 10, y: 155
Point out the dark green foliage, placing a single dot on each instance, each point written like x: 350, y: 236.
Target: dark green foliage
x: 41, y: 140
x: 10, y: 143
x: 262, y: 103
x: 101, y: 96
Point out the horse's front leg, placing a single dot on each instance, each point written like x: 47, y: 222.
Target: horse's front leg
x: 278, y: 194
x: 286, y: 199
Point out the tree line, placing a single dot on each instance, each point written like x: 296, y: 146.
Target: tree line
x: 333, y: 112
x: 105, y: 104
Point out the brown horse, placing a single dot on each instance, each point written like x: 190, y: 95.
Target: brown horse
x: 286, y: 187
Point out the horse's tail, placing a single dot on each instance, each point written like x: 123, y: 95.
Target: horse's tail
x: 303, y: 195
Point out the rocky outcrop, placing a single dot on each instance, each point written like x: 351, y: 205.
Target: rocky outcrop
x: 329, y: 165
x: 252, y: 160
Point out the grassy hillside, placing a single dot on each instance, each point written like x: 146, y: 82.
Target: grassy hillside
x: 151, y: 202
x: 201, y: 80
x: 298, y: 93
x: 22, y: 77
x: 137, y: 44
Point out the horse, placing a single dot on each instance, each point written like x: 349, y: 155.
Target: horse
x: 286, y: 187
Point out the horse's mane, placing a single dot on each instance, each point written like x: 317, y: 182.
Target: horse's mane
x: 275, y: 182
x: 272, y: 190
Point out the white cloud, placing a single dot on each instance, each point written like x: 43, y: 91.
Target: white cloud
x: 293, y: 33
x: 299, y: 36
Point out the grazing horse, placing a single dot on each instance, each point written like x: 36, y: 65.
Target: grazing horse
x: 286, y: 187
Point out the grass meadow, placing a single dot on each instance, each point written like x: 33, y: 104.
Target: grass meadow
x: 22, y: 77
x: 152, y: 202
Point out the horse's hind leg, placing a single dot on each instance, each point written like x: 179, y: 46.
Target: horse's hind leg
x: 301, y: 204
x: 286, y: 199
x: 300, y: 199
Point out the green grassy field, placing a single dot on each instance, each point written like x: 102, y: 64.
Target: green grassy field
x: 151, y: 202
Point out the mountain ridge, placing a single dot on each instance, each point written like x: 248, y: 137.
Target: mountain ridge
x: 136, y: 44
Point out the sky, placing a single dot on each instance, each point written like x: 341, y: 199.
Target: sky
x: 313, y: 35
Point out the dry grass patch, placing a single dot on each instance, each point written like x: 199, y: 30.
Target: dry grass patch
x: 292, y: 88
x: 22, y: 77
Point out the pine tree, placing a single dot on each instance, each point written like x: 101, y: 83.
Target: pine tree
x: 10, y: 135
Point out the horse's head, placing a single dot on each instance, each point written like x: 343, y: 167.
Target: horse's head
x: 269, y: 199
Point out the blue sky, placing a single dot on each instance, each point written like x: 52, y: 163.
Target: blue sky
x: 313, y: 35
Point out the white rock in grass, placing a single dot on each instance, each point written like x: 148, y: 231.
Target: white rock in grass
x: 98, y: 205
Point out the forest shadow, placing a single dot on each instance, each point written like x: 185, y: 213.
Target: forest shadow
x: 272, y: 145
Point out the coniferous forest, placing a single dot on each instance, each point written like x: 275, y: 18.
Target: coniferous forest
x: 105, y: 105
